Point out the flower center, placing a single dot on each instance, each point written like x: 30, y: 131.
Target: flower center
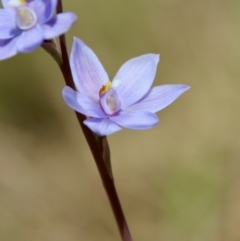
x: 109, y: 99
x: 26, y: 18
x: 112, y: 103
x: 105, y: 88
x: 16, y: 3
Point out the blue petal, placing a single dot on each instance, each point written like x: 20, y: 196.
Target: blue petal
x: 58, y: 25
x: 136, y: 77
x: 88, y: 73
x: 44, y: 9
x: 30, y: 39
x: 5, y: 3
x: 8, y: 48
x: 140, y: 120
x: 102, y: 127
x: 81, y: 103
x: 158, y: 98
x: 8, y: 27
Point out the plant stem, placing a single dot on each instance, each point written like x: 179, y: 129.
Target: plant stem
x: 95, y: 148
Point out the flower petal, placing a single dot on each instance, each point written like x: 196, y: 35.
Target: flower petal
x: 139, y: 120
x: 102, y: 127
x: 58, y: 25
x: 30, y: 39
x: 81, y: 103
x: 5, y: 3
x: 136, y: 77
x: 44, y: 9
x: 88, y: 73
x: 8, y: 27
x: 8, y: 48
x: 158, y: 98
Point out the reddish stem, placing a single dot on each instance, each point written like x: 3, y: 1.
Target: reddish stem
x: 97, y: 153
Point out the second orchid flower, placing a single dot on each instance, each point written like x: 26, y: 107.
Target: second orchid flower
x: 25, y: 24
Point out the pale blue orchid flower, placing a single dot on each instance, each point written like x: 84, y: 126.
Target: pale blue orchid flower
x: 25, y: 24
x: 128, y: 101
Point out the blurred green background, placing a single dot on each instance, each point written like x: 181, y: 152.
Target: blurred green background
x: 177, y: 182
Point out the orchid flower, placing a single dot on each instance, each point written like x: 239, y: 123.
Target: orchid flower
x: 25, y: 24
x: 128, y: 101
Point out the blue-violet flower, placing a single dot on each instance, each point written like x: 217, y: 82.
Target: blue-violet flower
x: 25, y: 24
x: 127, y: 101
